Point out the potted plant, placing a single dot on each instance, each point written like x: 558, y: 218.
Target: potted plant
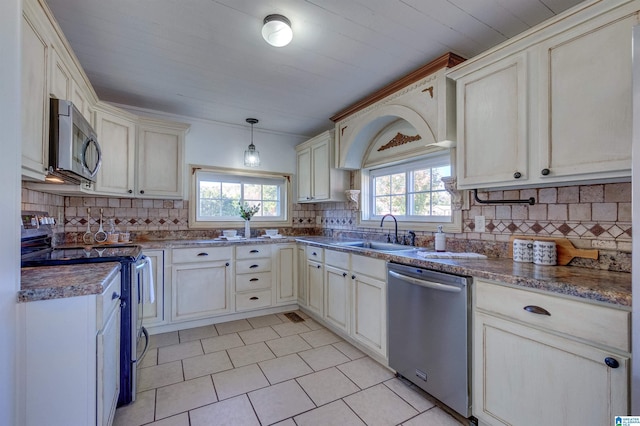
x: 246, y: 212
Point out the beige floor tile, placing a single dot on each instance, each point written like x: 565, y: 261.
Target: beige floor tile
x: 302, y: 314
x: 288, y: 345
x: 163, y: 339
x: 433, y: 417
x: 264, y: 321
x: 279, y: 402
x: 139, y: 412
x: 233, y: 326
x: 284, y: 368
x: 197, y: 333
x: 206, y: 364
x: 323, y: 357
x: 181, y: 419
x: 415, y: 396
x: 378, y: 406
x: 327, y: 385
x: 288, y: 422
x: 159, y: 375
x: 231, y: 412
x: 349, y: 350
x: 250, y: 354
x: 238, y: 381
x: 150, y: 359
x: 290, y: 328
x: 365, y: 372
x: 180, y: 351
x: 335, y: 414
x: 313, y: 325
x: 221, y: 343
x: 320, y: 337
x: 258, y: 335
x: 183, y: 396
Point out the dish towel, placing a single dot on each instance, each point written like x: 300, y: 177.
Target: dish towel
x: 148, y: 292
x: 449, y: 255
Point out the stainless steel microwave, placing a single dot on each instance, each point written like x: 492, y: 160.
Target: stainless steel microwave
x: 74, y: 152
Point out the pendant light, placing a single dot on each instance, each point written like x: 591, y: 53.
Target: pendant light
x: 277, y: 30
x: 251, y: 155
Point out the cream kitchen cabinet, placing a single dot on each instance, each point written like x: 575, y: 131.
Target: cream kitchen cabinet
x: 337, y: 291
x: 153, y: 313
x: 318, y: 179
x: 285, y: 273
x: 75, y: 343
x: 524, y: 115
x: 60, y: 76
x: 533, y: 350
x: 201, y: 280
x: 253, y: 277
x: 315, y: 280
x: 303, y: 292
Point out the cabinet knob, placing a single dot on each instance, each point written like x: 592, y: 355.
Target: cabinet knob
x: 142, y: 191
x: 202, y: 254
x: 517, y: 175
x: 253, y: 298
x: 226, y: 264
x: 314, y: 254
x: 611, y: 362
x: 115, y: 295
x: 353, y: 277
x: 545, y: 172
x: 344, y: 274
x: 536, y: 310
x: 318, y: 266
x: 130, y: 191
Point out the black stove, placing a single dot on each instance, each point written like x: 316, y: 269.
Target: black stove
x: 85, y: 254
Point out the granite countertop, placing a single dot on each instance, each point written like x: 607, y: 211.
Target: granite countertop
x: 217, y: 242
x: 56, y: 282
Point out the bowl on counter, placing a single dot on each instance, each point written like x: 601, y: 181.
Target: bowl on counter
x: 229, y: 233
x: 271, y: 232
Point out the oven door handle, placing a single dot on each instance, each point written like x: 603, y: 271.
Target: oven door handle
x: 427, y: 284
x: 146, y: 345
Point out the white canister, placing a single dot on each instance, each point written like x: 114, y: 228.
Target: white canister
x: 544, y: 253
x: 523, y: 251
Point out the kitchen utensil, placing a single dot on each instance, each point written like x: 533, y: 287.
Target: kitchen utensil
x: 565, y: 249
x: 88, y: 236
x: 100, y: 236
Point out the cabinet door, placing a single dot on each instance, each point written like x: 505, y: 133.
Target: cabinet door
x: 315, y: 281
x: 108, y: 369
x: 320, y: 167
x: 492, y: 124
x: 302, y: 275
x: 80, y: 99
x: 35, y: 101
x: 525, y: 376
x: 304, y: 174
x: 117, y: 138
x: 370, y: 312
x: 200, y: 290
x: 585, y: 102
x: 153, y: 313
x: 160, y: 162
x: 60, y: 85
x: 337, y: 300
x: 286, y: 272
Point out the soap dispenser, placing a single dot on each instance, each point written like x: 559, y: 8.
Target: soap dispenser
x: 441, y: 241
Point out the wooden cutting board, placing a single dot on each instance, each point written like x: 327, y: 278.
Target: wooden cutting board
x: 565, y: 249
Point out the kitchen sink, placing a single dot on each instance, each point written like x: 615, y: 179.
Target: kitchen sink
x: 377, y: 246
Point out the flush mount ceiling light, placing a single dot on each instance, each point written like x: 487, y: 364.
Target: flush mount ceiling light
x: 277, y: 30
x: 251, y: 155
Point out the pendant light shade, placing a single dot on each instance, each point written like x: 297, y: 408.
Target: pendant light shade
x: 251, y: 155
x: 277, y: 30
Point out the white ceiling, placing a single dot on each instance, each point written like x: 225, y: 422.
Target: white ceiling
x: 207, y: 59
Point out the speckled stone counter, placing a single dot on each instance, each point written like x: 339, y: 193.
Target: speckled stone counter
x: 589, y: 284
x: 55, y: 282
x: 216, y: 242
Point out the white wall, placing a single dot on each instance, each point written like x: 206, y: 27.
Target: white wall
x: 10, y: 21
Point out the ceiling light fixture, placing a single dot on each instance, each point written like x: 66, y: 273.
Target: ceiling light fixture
x: 251, y: 155
x: 277, y: 30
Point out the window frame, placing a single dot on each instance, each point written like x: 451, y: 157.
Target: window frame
x: 195, y: 222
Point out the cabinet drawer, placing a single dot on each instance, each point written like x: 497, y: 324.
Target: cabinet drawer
x: 337, y: 259
x: 374, y: 268
x: 252, y: 252
x: 598, y: 324
x: 253, y: 300
x: 315, y: 253
x: 253, y: 265
x: 107, y: 301
x: 201, y: 254
x: 246, y: 282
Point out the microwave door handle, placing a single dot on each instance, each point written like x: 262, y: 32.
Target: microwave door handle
x: 85, y: 146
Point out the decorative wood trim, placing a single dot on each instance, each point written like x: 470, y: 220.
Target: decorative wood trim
x: 430, y: 90
x: 448, y: 60
x: 398, y: 140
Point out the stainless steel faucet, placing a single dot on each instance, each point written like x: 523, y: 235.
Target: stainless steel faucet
x: 396, y: 228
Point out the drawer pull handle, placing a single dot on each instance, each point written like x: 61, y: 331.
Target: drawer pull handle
x: 254, y: 279
x: 203, y: 254
x: 611, y: 362
x: 253, y: 298
x: 253, y: 266
x: 536, y: 310
x: 115, y: 296
x: 254, y: 251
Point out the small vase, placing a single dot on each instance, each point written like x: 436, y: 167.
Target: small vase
x: 247, y: 229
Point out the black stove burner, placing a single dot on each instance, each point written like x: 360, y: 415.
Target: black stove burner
x: 88, y: 254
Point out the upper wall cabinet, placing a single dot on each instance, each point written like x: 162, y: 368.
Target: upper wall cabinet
x: 318, y: 179
x: 552, y: 105
x: 423, y: 99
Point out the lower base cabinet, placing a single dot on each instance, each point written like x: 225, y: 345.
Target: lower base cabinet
x: 338, y: 297
x: 200, y: 290
x: 315, y: 287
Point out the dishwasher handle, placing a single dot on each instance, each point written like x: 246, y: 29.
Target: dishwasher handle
x: 427, y: 284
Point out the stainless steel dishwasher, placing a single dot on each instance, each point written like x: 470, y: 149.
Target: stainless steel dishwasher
x: 429, y: 332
